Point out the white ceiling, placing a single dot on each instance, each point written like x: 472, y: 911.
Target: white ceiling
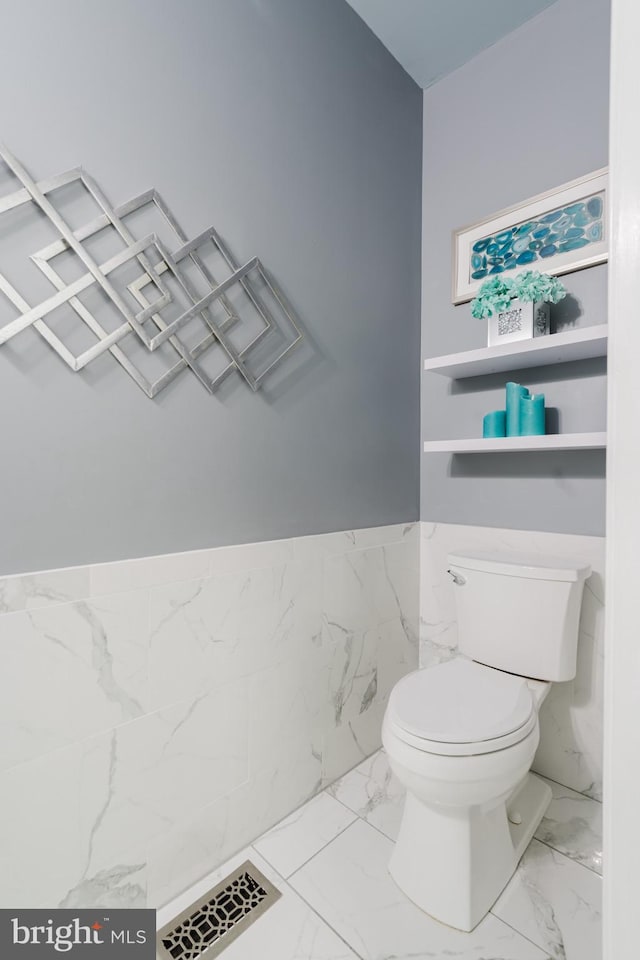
x: 431, y: 38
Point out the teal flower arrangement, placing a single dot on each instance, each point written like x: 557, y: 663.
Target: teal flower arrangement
x: 494, y: 296
x: 530, y: 286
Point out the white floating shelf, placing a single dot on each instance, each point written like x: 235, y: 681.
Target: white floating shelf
x: 550, y: 441
x: 581, y: 344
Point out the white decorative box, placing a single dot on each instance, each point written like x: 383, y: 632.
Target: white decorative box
x: 521, y: 321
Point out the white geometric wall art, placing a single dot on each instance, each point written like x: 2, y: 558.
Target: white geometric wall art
x: 175, y: 302
x: 188, y: 358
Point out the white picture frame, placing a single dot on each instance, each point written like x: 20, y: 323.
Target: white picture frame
x: 465, y: 286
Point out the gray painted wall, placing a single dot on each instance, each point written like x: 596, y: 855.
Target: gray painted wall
x: 521, y: 118
x: 287, y: 125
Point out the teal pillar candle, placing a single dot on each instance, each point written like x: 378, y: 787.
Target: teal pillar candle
x: 494, y: 424
x: 532, y: 415
x: 515, y: 393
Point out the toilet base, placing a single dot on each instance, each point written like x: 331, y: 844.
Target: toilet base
x: 454, y: 862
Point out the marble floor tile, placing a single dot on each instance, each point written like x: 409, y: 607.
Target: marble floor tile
x: 288, y: 930
x: 306, y: 831
x: 371, y: 791
x: 348, y: 884
x: 573, y: 825
x: 180, y: 855
x: 346, y: 906
x: 555, y: 903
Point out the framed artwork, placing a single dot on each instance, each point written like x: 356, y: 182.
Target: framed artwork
x: 556, y: 232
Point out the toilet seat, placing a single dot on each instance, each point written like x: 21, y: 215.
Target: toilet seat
x: 461, y: 708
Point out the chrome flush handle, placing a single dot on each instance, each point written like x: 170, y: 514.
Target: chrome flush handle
x: 458, y: 579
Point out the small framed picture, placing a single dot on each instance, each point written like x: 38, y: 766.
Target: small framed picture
x: 556, y: 232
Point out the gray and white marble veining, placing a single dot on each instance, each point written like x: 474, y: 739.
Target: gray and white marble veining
x: 69, y: 671
x: 318, y: 692
x: 262, y: 666
x: 29, y: 591
x: 178, y: 856
x: 364, y: 667
x: 382, y: 536
x: 339, y: 865
x: 556, y: 903
x: 339, y: 543
x: 352, y: 742
x: 288, y: 713
x: 161, y: 769
x: 354, y: 672
x: 122, y: 887
x: 401, y: 566
x: 397, y: 656
x: 348, y: 884
x: 289, y: 930
x: 572, y: 825
x: 51, y: 809
x: 351, y: 591
x: 102, y: 660
x: 372, y: 791
x: 229, y: 625
x: 571, y: 718
x: 370, y: 612
x: 432, y: 652
x: 108, y: 797
x: 367, y: 587
x: 303, y: 833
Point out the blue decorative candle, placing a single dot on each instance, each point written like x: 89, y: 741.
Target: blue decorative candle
x: 515, y: 393
x: 532, y: 415
x: 494, y: 424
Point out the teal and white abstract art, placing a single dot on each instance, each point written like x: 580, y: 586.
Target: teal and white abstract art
x: 559, y: 231
x: 556, y: 232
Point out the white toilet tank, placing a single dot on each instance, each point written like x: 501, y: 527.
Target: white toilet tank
x: 519, y: 613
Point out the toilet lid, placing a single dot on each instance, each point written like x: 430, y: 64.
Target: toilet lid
x: 460, y: 702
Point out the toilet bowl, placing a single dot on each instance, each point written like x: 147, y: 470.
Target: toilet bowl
x: 457, y: 847
x: 461, y: 736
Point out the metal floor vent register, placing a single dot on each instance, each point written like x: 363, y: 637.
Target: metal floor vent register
x: 210, y: 924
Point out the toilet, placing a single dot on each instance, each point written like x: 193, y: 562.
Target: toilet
x: 461, y: 736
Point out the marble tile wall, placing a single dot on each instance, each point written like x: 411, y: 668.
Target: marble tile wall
x: 159, y: 714
x: 570, y: 750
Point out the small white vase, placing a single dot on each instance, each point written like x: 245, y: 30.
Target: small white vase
x: 521, y: 321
